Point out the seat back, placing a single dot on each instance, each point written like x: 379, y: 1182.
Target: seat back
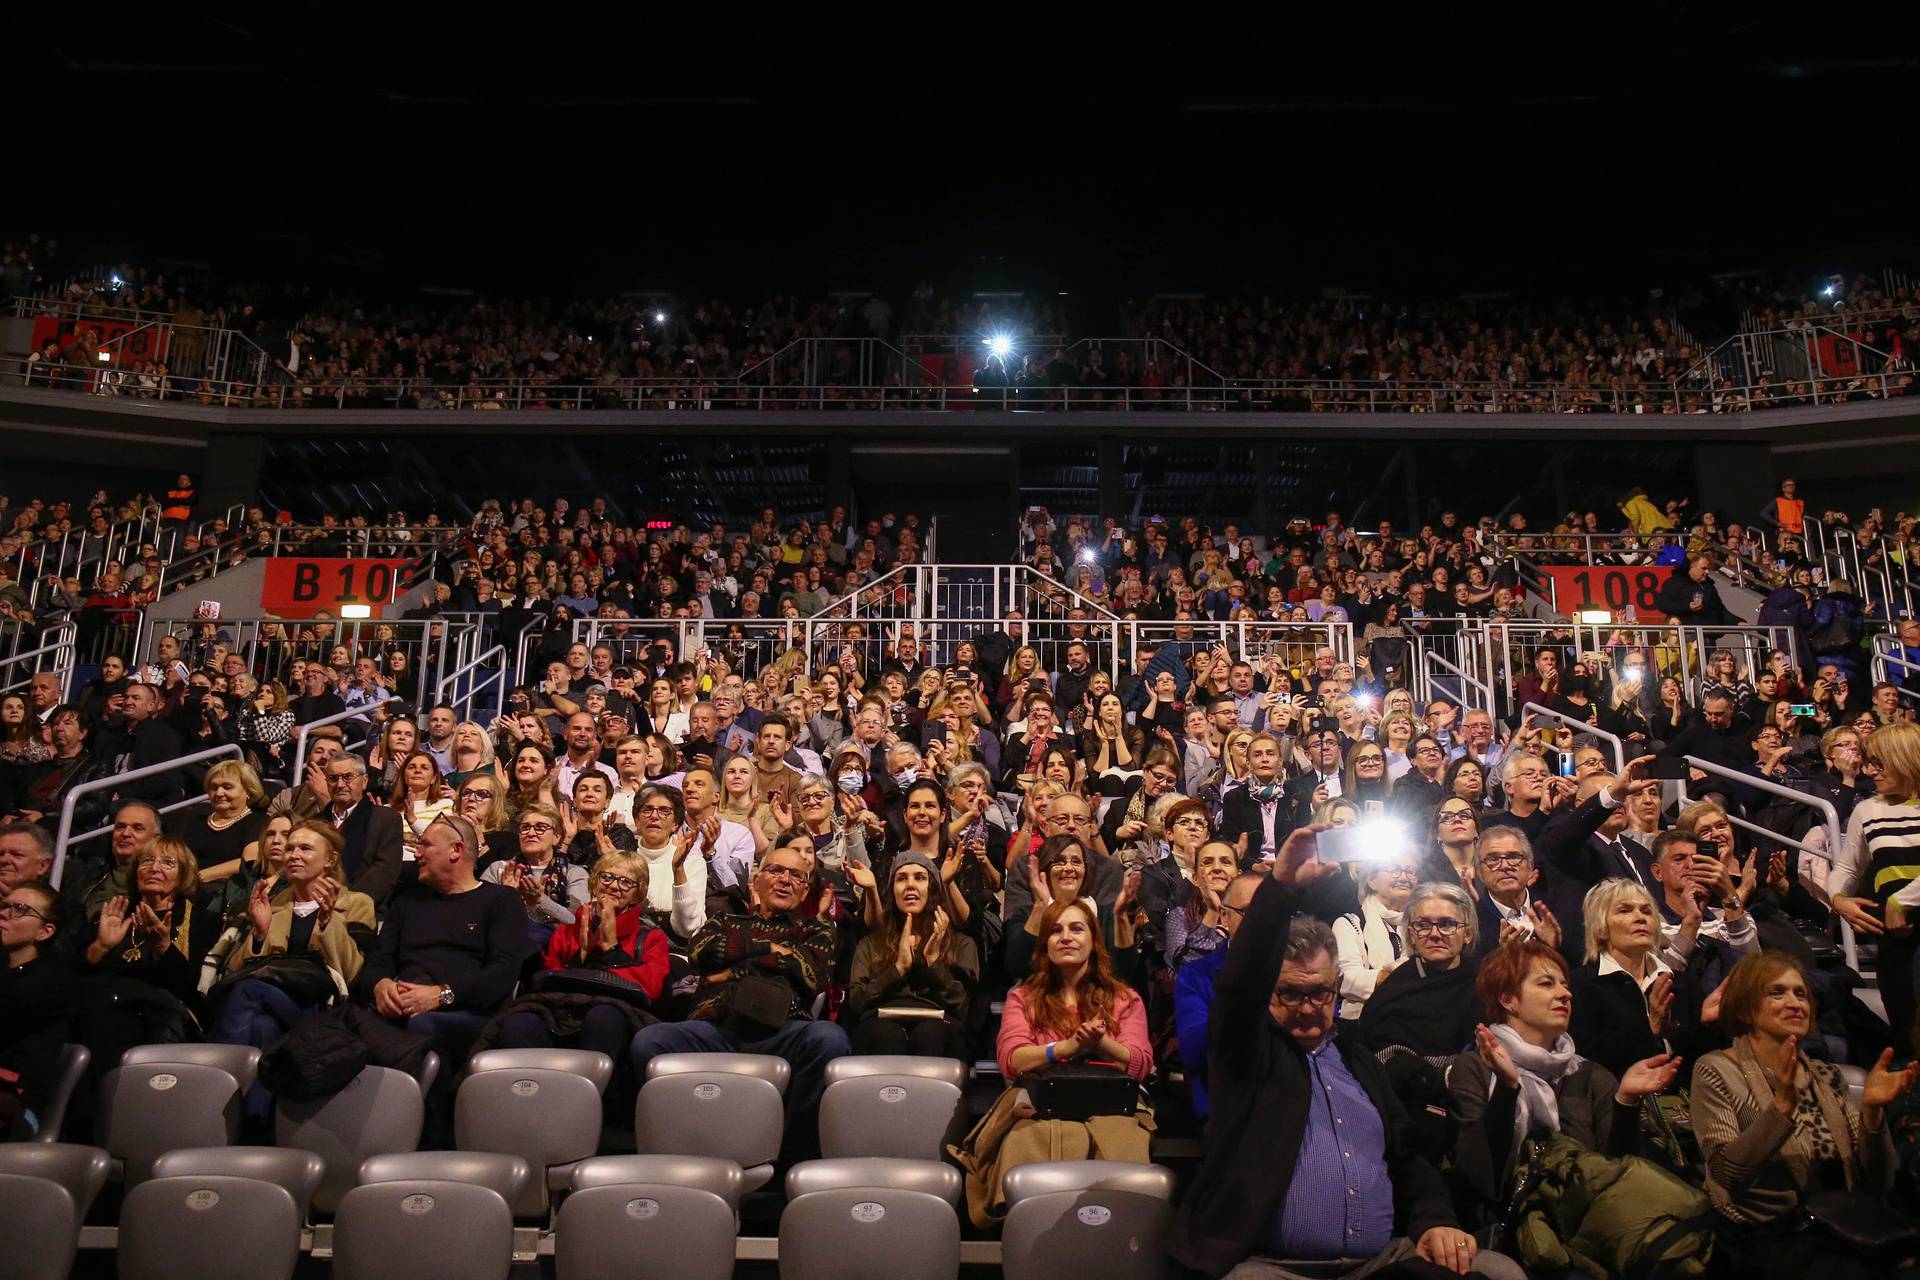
x: 929, y: 1176
x: 599, y: 1232
x: 150, y: 1108
x: 912, y: 1117
x: 380, y: 1111
x: 597, y: 1067
x: 294, y: 1171
x: 1091, y: 1216
x: 45, y: 1252
x: 545, y: 1116
x: 442, y: 1231
x: 952, y: 1070
x: 777, y: 1072
x: 81, y: 1170
x: 506, y: 1176
x: 69, y: 1070
x: 710, y: 1113
x: 208, y: 1227
x: 870, y: 1233
x: 703, y: 1173
x: 241, y: 1061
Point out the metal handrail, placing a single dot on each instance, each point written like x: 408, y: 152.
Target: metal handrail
x: 63, y: 651
x: 1884, y: 657
x: 1485, y: 688
x: 65, y: 839
x: 300, y: 733
x: 1821, y: 805
x: 497, y: 678
x: 1581, y: 726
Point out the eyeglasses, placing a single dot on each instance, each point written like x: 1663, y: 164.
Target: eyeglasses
x: 1456, y: 815
x: 15, y: 910
x: 476, y: 793
x: 616, y: 881
x: 1201, y: 823
x: 784, y: 873
x: 813, y: 797
x: 535, y: 828
x: 1503, y: 859
x: 1429, y: 749
x: 1162, y: 777
x: 1319, y: 997
x: 1439, y: 928
x: 656, y: 810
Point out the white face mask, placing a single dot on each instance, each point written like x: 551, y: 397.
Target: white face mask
x: 906, y: 777
x: 852, y: 783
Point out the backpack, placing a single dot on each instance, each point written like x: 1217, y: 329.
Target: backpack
x: 1612, y: 1217
x: 1839, y: 633
x: 318, y: 1058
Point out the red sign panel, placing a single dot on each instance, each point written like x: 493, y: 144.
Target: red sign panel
x: 1615, y: 588
x: 300, y: 586
x: 138, y: 342
x: 952, y: 369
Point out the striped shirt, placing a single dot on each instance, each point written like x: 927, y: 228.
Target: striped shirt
x: 1880, y: 854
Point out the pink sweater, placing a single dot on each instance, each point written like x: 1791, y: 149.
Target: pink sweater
x: 1016, y: 1032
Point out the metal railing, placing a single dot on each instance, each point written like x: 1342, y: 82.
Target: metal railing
x: 64, y: 838
x: 1486, y: 701
x: 1581, y: 727
x: 1888, y: 656
x: 1830, y: 821
x: 56, y: 655
x: 462, y: 699
x: 360, y: 717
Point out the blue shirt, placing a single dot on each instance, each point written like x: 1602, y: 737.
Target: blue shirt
x: 1192, y: 1003
x: 1340, y: 1202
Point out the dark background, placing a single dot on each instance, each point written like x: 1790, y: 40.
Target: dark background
x: 1108, y: 152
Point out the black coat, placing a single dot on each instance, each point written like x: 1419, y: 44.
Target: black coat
x: 375, y: 849
x: 1258, y: 1078
x: 1240, y: 816
x: 1609, y: 1022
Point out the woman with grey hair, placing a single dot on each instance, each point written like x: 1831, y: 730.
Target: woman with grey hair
x: 1427, y: 1004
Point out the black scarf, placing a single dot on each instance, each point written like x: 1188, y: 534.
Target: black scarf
x: 1431, y: 1013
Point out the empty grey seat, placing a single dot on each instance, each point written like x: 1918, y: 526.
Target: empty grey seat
x: 1103, y: 1218
x: 600, y: 1232
x: 423, y: 1229
x: 774, y: 1070
x: 429, y: 1072
x: 208, y: 1227
x: 293, y: 1170
x: 150, y: 1108
x: 952, y: 1070
x: 80, y: 1169
x: 46, y: 1251
x: 871, y: 1233
x: 504, y: 1175
x: 550, y: 1118
x: 241, y: 1061
x: 379, y: 1112
x: 912, y: 1117
x: 69, y: 1070
x: 703, y: 1173
x: 712, y: 1113
x: 597, y: 1067
x: 929, y: 1176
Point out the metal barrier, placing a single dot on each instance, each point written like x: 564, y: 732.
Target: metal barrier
x: 64, y: 838
x: 1887, y: 656
x: 1485, y: 690
x: 34, y: 661
x: 269, y: 644
x: 462, y: 702
x: 359, y: 715
x: 1823, y: 807
x: 1582, y: 727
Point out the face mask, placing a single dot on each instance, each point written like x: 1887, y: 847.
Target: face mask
x: 905, y: 777
x: 852, y: 783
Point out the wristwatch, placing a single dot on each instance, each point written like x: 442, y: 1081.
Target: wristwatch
x: 446, y: 997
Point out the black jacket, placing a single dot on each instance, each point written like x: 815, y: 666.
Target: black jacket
x: 1258, y: 1078
x: 1676, y: 601
x: 1240, y: 816
x: 374, y: 852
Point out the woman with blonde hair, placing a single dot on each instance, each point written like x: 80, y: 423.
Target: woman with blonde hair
x: 159, y: 935
x: 472, y: 752
x: 1873, y: 882
x: 1023, y: 668
x: 1623, y: 996
x: 1397, y: 729
x: 236, y: 816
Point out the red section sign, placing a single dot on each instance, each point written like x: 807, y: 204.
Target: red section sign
x: 1615, y: 588
x: 300, y: 586
x: 136, y: 344
x: 952, y: 369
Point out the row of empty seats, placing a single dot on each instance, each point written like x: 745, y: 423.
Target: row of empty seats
x: 880, y: 1201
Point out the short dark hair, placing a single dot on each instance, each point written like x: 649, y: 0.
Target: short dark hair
x: 777, y: 720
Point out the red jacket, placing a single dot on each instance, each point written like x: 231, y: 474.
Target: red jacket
x: 640, y: 940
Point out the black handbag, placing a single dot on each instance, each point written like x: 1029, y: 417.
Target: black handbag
x: 589, y: 982
x: 758, y: 1006
x: 1081, y: 1091
x: 1867, y: 1225
x: 302, y: 975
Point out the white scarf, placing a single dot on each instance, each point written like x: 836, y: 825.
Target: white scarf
x: 1540, y: 1070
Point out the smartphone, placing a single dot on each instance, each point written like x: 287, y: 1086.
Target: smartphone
x: 1802, y: 709
x: 1563, y: 764
x: 1668, y: 769
x: 1370, y: 840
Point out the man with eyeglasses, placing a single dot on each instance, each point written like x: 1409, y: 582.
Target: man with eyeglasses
x: 1532, y: 793
x: 1307, y: 1154
x: 1719, y: 735
x: 375, y: 851
x: 1475, y: 740
x: 1520, y: 901
x: 1586, y: 842
x: 1068, y: 815
x: 35, y: 992
x: 781, y: 956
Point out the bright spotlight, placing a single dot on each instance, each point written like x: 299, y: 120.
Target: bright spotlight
x: 1000, y: 344
x: 1828, y: 291
x: 659, y: 317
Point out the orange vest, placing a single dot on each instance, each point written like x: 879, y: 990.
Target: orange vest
x: 179, y: 505
x: 1792, y: 512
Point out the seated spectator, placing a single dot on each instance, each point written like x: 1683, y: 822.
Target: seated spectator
x: 140, y: 737
x: 236, y: 815
x: 26, y: 854
x: 1197, y: 926
x: 568, y: 1005
x: 1426, y: 1004
x: 592, y: 835
x: 1307, y: 1156
x: 551, y: 885
x: 726, y: 847
x: 35, y: 991
x: 1623, y: 995
x: 418, y: 796
x: 1526, y: 1077
x: 1061, y: 869
x: 306, y: 913
x: 1193, y: 989
x: 470, y: 753
x: 781, y: 956
x: 1519, y: 900
x: 1254, y: 818
x: 676, y: 889
x: 1706, y: 927
x: 1531, y: 791
x: 449, y: 952
x: 310, y: 795
x: 913, y: 979
x: 375, y: 848
x: 1166, y: 883
x: 1778, y: 1128
x: 1368, y: 945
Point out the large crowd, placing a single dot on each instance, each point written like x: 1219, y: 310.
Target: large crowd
x: 1411, y: 966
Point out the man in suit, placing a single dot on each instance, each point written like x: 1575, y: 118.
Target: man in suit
x: 1522, y: 900
x: 373, y: 857
x: 1308, y: 1155
x: 1586, y: 842
x: 1322, y: 745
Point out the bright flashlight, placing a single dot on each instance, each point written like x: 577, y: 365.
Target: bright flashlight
x: 659, y: 317
x: 1000, y: 344
x: 1828, y: 291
